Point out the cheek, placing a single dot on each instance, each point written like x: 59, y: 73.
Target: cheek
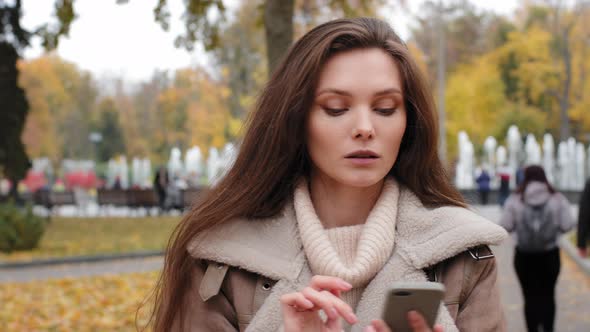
x: 395, y: 137
x: 318, y: 142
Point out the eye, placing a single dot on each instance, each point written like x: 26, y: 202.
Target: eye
x: 335, y: 111
x: 385, y: 111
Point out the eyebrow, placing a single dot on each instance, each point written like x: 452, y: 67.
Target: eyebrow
x: 345, y: 93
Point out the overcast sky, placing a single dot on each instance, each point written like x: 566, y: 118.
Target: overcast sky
x: 104, y: 40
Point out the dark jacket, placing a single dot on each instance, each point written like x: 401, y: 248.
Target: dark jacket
x: 584, y: 217
x: 483, y: 181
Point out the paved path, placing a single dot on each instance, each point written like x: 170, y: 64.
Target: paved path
x: 573, y: 288
x: 78, y: 270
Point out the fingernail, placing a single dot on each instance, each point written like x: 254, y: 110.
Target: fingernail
x: 412, y: 315
x: 308, y: 303
x: 346, y: 284
x: 351, y: 318
x: 370, y: 328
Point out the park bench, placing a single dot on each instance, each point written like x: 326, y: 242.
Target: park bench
x: 142, y: 198
x: 52, y: 199
x: 109, y: 198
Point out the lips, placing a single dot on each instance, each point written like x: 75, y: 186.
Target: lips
x: 362, y: 154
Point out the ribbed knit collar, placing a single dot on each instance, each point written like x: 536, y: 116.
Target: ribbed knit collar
x: 375, y: 244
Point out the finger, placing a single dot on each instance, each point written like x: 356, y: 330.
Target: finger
x: 438, y: 328
x: 334, y: 324
x: 296, y: 301
x: 380, y: 326
x: 333, y: 306
x: 343, y: 309
x: 417, y: 322
x: 329, y: 283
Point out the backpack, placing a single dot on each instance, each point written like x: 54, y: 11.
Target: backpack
x: 537, y: 231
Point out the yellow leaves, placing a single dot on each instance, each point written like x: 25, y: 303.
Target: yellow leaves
x: 538, y: 70
x: 104, y: 303
x: 474, y: 99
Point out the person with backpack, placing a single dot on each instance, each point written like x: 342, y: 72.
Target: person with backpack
x: 538, y: 215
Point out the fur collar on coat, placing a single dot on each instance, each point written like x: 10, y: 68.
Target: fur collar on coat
x: 272, y: 248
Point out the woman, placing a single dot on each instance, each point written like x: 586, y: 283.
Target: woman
x: 537, y: 214
x: 336, y: 192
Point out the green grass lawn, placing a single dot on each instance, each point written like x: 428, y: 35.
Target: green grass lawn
x: 91, y: 236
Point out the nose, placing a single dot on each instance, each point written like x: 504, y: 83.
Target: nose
x: 363, y: 127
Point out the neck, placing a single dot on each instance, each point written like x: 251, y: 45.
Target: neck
x: 340, y: 205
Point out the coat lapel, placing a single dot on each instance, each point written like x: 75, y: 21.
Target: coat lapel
x: 269, y: 316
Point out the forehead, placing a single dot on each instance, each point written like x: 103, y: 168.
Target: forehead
x: 360, y: 70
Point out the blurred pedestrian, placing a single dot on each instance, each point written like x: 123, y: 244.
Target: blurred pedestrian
x: 538, y: 215
x: 584, y: 221
x: 504, y: 190
x: 483, y: 186
x: 161, y: 185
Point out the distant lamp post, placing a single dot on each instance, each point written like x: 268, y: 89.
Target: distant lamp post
x: 95, y: 138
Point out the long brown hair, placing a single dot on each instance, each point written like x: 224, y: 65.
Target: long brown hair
x: 533, y: 173
x: 273, y: 155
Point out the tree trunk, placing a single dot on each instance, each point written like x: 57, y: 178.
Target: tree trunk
x: 278, y: 26
x: 564, y: 101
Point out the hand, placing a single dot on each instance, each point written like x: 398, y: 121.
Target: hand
x: 417, y: 322
x: 301, y: 309
x: 583, y: 252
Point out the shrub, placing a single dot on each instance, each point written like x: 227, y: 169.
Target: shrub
x: 20, y: 229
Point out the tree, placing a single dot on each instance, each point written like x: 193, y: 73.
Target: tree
x: 13, y: 104
x: 62, y: 101
x: 13, y: 111
x: 113, y: 142
x: 567, y: 30
x: 277, y: 17
x: 468, y: 33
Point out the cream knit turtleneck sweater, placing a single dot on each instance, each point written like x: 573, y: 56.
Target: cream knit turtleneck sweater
x: 353, y: 253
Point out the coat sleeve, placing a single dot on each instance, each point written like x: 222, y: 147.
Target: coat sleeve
x: 509, y: 214
x: 584, y: 217
x: 480, y: 308
x: 566, y: 219
x: 215, y: 314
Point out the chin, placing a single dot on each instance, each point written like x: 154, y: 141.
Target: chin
x: 362, y: 181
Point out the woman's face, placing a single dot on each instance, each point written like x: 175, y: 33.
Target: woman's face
x: 358, y: 118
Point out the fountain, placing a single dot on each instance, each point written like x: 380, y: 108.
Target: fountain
x: 549, y: 157
x: 489, y: 147
x: 193, y: 164
x: 566, y: 170
x: 464, y: 170
x: 532, y: 151
x: 141, y: 173
x: 118, y: 173
x: 175, y: 167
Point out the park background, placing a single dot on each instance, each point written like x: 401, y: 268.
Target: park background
x: 502, y: 63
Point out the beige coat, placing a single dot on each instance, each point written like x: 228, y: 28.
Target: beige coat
x: 243, y: 267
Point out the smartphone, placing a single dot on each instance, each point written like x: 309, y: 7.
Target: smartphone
x: 423, y: 297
